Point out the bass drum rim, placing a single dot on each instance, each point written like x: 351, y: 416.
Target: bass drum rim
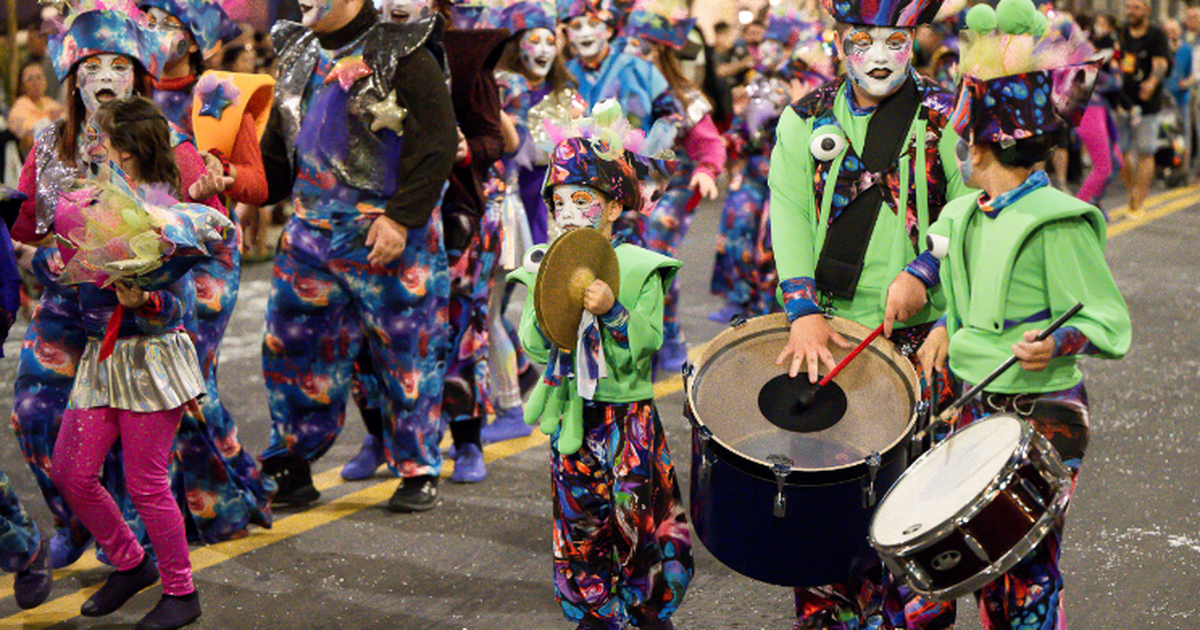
x: 762, y: 469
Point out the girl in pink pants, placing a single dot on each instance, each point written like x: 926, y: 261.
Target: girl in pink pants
x: 136, y: 393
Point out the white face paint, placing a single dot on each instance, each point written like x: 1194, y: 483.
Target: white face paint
x: 177, y: 41
x: 313, y: 11
x: 589, y: 35
x: 877, y: 58
x: 537, y: 51
x: 578, y: 206
x: 104, y: 77
x: 402, y: 11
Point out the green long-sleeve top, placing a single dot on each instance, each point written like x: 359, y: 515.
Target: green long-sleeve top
x: 630, y: 333
x: 1016, y: 272
x: 799, y: 219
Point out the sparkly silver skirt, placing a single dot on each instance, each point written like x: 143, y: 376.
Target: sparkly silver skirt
x: 144, y: 374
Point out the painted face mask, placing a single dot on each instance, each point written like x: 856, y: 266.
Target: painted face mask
x: 577, y: 206
x: 104, y: 77
x: 403, y: 11
x: 175, y: 38
x: 588, y: 35
x: 877, y: 58
x: 313, y: 11
x: 537, y: 51
x: 641, y: 48
x: 92, y: 146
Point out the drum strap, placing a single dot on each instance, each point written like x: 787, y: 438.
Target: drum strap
x: 849, y: 234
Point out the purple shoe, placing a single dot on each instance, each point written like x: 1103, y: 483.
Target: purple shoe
x: 63, y: 553
x: 468, y: 465
x: 364, y: 465
x: 726, y: 313
x: 508, y: 425
x: 669, y: 359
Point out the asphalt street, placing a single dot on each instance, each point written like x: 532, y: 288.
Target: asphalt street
x: 481, y: 560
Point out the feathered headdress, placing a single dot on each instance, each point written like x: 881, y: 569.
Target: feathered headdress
x: 1023, y: 74
x: 206, y: 20
x: 603, y: 151
x: 96, y: 27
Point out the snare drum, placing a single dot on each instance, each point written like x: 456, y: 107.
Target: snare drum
x: 792, y: 507
x: 968, y: 510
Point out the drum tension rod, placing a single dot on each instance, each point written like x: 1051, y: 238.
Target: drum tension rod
x: 873, y: 462
x: 781, y: 465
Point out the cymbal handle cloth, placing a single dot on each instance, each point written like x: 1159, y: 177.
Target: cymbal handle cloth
x: 536, y: 404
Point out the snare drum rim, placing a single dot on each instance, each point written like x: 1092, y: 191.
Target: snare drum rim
x: 1005, y: 562
x: 798, y: 476
x: 1029, y: 436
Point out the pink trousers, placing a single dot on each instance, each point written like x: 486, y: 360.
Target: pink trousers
x: 1093, y: 133
x: 84, y: 439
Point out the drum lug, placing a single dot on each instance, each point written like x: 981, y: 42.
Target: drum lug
x: 781, y: 465
x: 918, y: 575
x: 976, y: 548
x: 873, y: 462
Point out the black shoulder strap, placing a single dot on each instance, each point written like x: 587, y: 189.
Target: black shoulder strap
x: 845, y: 248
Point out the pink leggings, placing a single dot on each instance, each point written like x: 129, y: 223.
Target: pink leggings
x: 84, y: 439
x: 1093, y: 132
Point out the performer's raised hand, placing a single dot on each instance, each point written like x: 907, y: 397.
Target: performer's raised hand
x: 130, y: 296
x: 704, y: 184
x: 1034, y: 355
x: 598, y: 297
x: 905, y: 298
x: 209, y: 185
x: 808, y: 342
x: 932, y: 353
x: 387, y: 240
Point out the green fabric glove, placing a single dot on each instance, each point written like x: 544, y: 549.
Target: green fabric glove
x: 536, y: 404
x: 571, y: 436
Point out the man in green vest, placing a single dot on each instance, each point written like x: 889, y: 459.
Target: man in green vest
x: 860, y: 171
x: 1016, y: 256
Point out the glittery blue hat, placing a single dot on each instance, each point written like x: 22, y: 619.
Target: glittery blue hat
x: 660, y: 29
x: 205, y: 19
x: 525, y: 15
x: 894, y: 13
x: 114, y: 27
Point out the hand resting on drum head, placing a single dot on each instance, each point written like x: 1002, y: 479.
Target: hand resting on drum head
x: 808, y: 342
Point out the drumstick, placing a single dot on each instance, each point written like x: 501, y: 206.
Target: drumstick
x: 806, y: 397
x: 943, y: 417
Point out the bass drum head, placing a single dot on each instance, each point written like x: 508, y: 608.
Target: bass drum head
x: 946, y: 480
x: 880, y: 387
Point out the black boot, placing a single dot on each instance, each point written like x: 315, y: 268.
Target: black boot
x: 293, y: 477
x: 33, y: 583
x: 119, y: 587
x: 172, y: 611
x: 415, y: 494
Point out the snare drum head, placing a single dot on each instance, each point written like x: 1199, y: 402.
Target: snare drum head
x: 880, y: 387
x: 946, y: 480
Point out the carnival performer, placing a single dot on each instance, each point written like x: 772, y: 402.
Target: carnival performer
x: 362, y: 137
x: 658, y: 32
x: 604, y: 70
x: 861, y: 169
x: 224, y: 488
x: 137, y: 372
x: 1017, y: 255
x: 744, y: 268
x: 622, y: 548
x: 532, y: 77
x: 22, y: 548
x: 102, y: 53
x: 471, y: 241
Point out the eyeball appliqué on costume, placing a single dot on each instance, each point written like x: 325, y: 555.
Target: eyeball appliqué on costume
x: 533, y: 258
x: 827, y: 143
x: 939, y: 245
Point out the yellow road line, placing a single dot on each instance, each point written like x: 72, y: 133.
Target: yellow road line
x: 67, y: 607
x: 1146, y: 216
x: 1163, y: 197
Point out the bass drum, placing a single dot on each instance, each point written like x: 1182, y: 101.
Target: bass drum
x: 783, y: 503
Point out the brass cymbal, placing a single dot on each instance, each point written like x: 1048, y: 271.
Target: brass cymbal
x: 571, y: 264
